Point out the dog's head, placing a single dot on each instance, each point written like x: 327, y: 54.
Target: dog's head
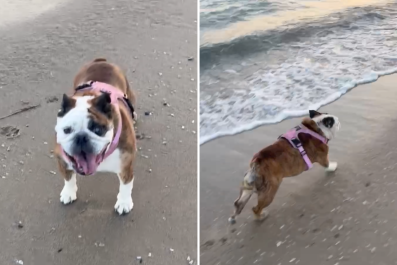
x: 328, y: 124
x: 84, y: 129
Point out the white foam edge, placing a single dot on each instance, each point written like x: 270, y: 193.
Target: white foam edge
x: 286, y: 114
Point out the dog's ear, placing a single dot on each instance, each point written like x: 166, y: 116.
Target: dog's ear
x: 103, y: 104
x: 67, y: 104
x: 328, y: 122
x: 313, y: 113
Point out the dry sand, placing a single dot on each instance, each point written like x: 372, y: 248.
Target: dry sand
x: 38, y: 61
x: 19, y: 11
x: 348, y: 218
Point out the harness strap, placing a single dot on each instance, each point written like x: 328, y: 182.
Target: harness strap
x: 292, y: 137
x: 111, y: 90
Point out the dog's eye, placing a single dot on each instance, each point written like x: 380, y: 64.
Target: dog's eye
x: 96, y: 128
x: 99, y: 130
x: 67, y: 130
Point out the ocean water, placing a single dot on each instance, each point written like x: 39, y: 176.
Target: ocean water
x: 264, y: 61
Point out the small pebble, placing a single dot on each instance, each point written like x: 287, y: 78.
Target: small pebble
x: 171, y: 249
x: 172, y: 115
x: 53, y: 172
x: 190, y: 59
x: 148, y: 113
x: 20, y: 225
x: 149, y: 255
x: 164, y: 143
x: 150, y: 170
x: 139, y: 259
x: 160, y: 74
x: 232, y: 220
x: 183, y: 127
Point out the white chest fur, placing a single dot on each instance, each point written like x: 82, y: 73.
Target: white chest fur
x: 111, y: 164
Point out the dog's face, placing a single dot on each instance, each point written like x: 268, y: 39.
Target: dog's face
x: 328, y: 124
x: 84, y: 129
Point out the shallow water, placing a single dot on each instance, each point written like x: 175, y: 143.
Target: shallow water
x: 264, y: 61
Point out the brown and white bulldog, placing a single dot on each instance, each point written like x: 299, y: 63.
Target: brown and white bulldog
x: 287, y: 157
x: 95, y: 132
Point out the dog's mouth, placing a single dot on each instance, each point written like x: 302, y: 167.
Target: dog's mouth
x: 86, y: 164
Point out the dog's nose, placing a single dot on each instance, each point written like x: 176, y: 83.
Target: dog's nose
x: 82, y: 144
x: 81, y: 139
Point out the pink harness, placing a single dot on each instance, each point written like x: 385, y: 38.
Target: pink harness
x: 115, y: 95
x: 292, y: 136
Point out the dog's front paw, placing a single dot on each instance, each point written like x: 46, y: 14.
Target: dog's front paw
x: 332, y: 166
x: 123, y: 206
x: 68, y: 194
x: 260, y: 217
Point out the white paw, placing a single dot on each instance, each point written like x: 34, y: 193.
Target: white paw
x: 68, y: 194
x: 331, y: 167
x: 123, y: 206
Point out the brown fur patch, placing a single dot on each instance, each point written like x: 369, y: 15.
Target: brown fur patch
x: 99, y: 60
x: 100, y: 118
x: 62, y: 166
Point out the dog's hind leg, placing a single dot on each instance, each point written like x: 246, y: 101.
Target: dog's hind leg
x: 265, y: 198
x: 246, y: 191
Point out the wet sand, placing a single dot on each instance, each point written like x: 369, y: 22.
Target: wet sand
x: 38, y: 61
x: 346, y: 218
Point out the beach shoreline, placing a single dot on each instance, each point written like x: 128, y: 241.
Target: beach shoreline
x: 308, y: 207
x: 291, y: 114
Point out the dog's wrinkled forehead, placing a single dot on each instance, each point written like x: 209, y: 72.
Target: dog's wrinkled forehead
x: 100, y: 105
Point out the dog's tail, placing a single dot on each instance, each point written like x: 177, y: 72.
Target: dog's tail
x: 250, y: 176
x: 99, y: 60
